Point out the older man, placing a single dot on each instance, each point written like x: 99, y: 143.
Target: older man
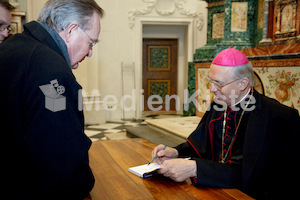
x: 5, y: 19
x: 45, y: 149
x: 245, y: 140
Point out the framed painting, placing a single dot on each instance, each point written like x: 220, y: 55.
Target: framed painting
x: 205, y: 97
x: 239, y: 16
x: 282, y: 84
x: 218, y: 25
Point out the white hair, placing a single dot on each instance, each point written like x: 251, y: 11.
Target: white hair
x: 61, y: 13
x: 245, y: 70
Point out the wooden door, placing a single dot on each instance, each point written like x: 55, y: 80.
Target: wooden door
x: 160, y: 73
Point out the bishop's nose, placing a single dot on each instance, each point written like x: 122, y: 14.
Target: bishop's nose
x: 213, y: 87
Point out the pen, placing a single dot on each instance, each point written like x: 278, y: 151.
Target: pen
x: 156, y: 155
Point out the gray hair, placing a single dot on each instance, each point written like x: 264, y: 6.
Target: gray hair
x: 61, y: 13
x: 245, y: 70
x: 5, y: 4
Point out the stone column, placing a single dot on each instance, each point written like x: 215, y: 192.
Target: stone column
x: 265, y: 38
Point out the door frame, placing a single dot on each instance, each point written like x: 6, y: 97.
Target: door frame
x: 189, y: 46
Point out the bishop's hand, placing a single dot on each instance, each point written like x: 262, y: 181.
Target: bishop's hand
x: 179, y: 169
x: 166, y: 154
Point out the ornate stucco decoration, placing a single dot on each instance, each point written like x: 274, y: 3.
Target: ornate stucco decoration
x: 166, y: 8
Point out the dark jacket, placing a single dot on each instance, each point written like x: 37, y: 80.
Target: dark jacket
x: 270, y: 151
x: 45, y: 152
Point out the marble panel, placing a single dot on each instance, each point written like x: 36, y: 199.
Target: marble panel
x: 239, y: 16
x: 275, y: 49
x: 159, y: 87
x: 205, y: 96
x: 218, y: 25
x: 191, y: 89
x: 159, y: 57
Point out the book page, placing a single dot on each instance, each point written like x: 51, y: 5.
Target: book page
x: 143, y: 169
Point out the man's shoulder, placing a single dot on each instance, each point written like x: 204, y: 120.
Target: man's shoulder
x: 23, y: 45
x: 18, y: 44
x: 22, y: 48
x: 46, y: 55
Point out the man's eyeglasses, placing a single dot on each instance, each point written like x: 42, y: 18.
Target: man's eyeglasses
x: 218, y: 85
x: 93, y: 42
x: 5, y: 27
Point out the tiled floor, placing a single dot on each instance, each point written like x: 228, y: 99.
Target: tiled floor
x: 116, y: 130
x: 100, y: 132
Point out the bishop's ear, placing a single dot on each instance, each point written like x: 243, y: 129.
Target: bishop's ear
x: 244, y: 82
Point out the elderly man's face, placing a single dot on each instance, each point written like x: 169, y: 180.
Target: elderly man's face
x: 5, y: 20
x: 224, y: 75
x: 80, y: 42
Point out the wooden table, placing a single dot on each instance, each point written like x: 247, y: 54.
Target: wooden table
x: 110, y: 161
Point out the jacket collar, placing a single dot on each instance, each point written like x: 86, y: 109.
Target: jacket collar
x: 48, y: 36
x: 59, y: 41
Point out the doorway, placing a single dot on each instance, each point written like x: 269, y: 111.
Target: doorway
x: 181, y: 29
x: 160, y: 66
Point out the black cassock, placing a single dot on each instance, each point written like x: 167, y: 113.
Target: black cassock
x: 261, y: 161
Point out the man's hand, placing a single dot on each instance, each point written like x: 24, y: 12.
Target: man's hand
x: 179, y: 169
x: 163, y: 155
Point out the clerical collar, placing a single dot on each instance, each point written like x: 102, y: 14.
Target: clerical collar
x: 241, y: 99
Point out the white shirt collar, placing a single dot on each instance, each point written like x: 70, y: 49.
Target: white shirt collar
x: 242, y: 98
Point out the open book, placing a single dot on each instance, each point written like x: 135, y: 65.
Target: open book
x: 145, y: 171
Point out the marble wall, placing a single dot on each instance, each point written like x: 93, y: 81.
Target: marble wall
x: 191, y: 89
x: 229, y: 22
